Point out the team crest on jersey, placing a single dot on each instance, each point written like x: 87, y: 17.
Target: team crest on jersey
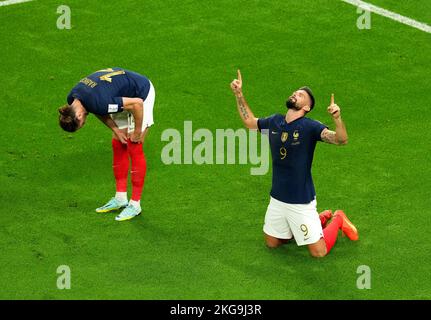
x: 296, y: 135
x: 284, y: 136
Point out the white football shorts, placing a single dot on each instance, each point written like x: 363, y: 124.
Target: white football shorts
x: 285, y: 220
x: 125, y: 119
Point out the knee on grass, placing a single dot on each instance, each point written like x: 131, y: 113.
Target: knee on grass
x: 272, y: 242
x: 318, y: 253
x: 272, y: 245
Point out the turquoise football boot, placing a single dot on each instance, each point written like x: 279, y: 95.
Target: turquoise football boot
x: 112, y: 205
x: 128, y: 213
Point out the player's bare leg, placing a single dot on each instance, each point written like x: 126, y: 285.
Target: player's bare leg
x: 272, y: 242
x: 318, y: 249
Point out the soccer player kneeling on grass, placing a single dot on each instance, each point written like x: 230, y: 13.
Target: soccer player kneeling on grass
x: 123, y: 100
x: 292, y: 209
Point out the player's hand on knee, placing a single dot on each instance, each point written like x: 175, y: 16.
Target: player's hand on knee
x: 121, y: 136
x: 135, y: 137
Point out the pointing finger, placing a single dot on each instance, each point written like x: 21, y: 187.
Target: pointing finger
x: 332, y: 99
x: 239, y: 75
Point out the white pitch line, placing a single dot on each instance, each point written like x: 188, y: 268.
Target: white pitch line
x: 389, y: 14
x: 9, y: 2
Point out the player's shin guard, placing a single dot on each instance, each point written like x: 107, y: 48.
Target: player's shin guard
x: 330, y: 233
x: 139, y: 169
x: 120, y: 165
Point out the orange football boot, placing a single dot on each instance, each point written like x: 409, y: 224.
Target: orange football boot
x: 347, y: 226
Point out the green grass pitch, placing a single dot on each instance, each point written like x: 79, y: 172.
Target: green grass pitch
x: 200, y: 235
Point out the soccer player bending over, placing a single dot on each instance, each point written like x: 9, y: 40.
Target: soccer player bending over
x: 292, y: 209
x: 123, y: 100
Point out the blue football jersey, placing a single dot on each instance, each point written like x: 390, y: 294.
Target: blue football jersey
x: 102, y: 91
x: 292, y: 149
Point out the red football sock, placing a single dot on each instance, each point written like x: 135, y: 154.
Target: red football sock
x: 323, y: 218
x: 330, y: 233
x: 139, y: 169
x: 120, y: 165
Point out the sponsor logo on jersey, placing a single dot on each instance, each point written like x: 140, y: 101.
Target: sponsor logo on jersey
x: 112, y: 108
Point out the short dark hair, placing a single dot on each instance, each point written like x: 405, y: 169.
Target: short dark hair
x: 68, y: 119
x: 310, y: 93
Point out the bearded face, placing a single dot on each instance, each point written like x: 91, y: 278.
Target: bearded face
x: 292, y: 103
x: 298, y: 100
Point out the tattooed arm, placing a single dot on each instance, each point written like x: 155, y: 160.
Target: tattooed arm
x: 339, y: 136
x: 247, y: 116
x: 331, y: 137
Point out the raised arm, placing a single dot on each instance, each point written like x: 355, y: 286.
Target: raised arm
x: 339, y: 136
x: 107, y: 120
x: 136, y: 107
x: 247, y: 116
